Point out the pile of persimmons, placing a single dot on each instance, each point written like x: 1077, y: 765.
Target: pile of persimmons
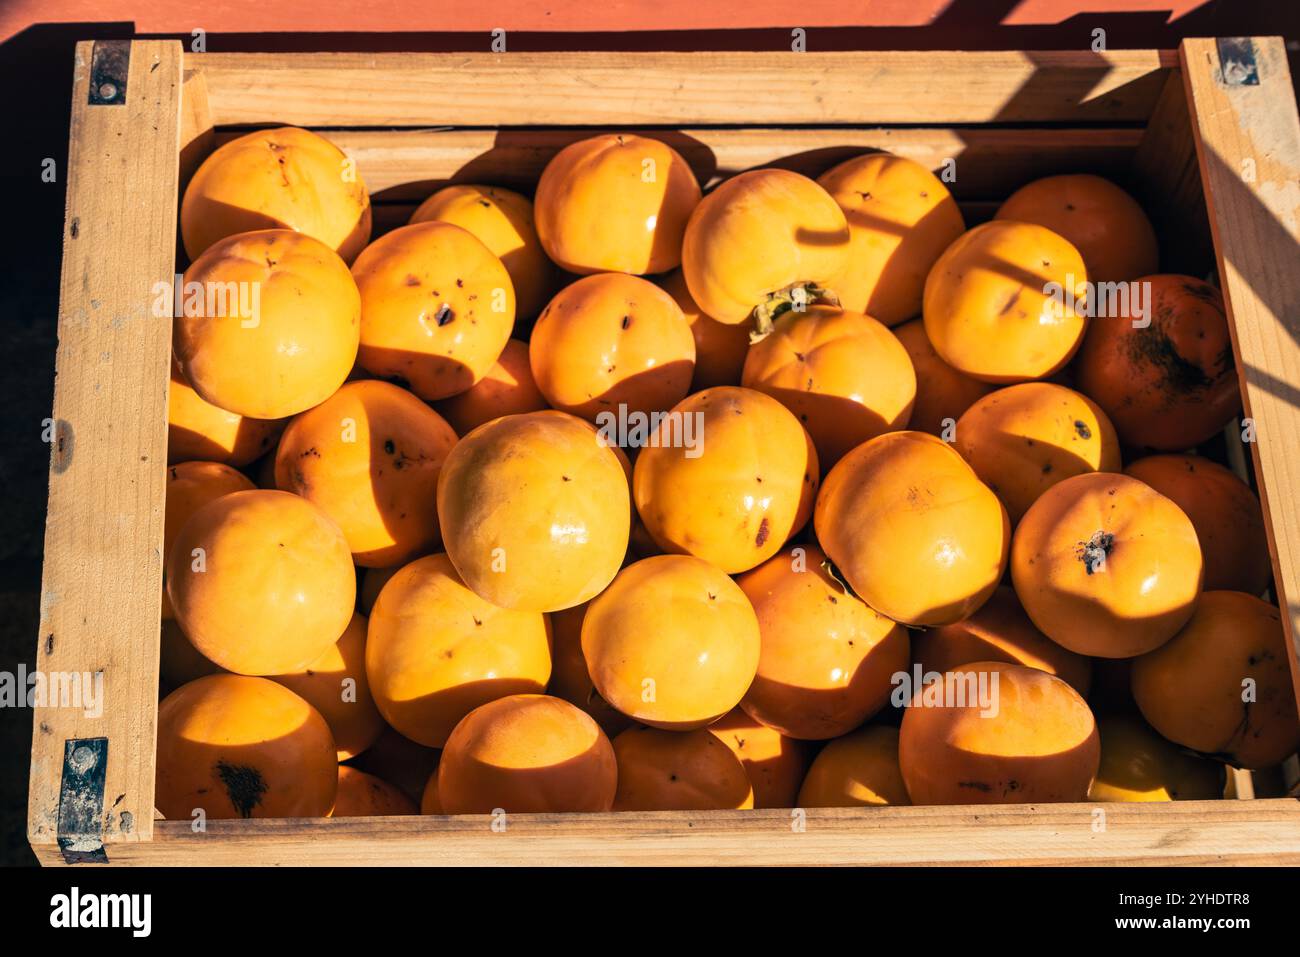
x: 795, y: 494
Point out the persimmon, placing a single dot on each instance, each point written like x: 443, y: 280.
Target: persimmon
x: 678, y: 771
x: 508, y: 388
x: 190, y: 486
x: 610, y: 341
x: 615, y: 203
x: 827, y: 659
x: 364, y: 795
x: 526, y: 753
x: 369, y: 457
x: 503, y: 221
x: 236, y: 746
x: 857, y: 770
x: 1106, y: 566
x: 1106, y: 224
x: 1222, y: 685
x: 570, y: 678
x: 1167, y: 379
x: 435, y: 651
x: 437, y: 308
x: 262, y: 582
x: 286, y: 178
x: 995, y: 304
x: 197, y: 430
x: 373, y: 581
x: 845, y: 376
x: 179, y: 661
x: 429, y: 802
x: 535, y: 511
x: 758, y: 240
x: 672, y: 642
x: 729, y: 476
x: 1139, y: 765
x: 775, y: 763
x: 1023, y: 439
x: 397, y: 759
x: 1033, y: 740
x: 901, y: 217
x: 277, y: 327
x: 720, y: 347
x: 335, y: 684
x: 942, y: 393
x: 912, y: 529
x: 1224, y: 511
x: 999, y: 631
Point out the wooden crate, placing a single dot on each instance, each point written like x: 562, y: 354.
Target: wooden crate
x: 1206, y: 135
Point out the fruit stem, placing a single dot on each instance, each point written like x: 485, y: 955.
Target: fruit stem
x: 797, y: 296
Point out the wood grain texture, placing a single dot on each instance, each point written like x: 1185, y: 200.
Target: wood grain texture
x: 681, y: 89
x: 1248, y: 145
x: 1193, y: 832
x: 102, y: 583
x: 409, y: 165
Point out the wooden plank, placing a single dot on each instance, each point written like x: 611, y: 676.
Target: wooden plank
x: 676, y: 89
x: 1248, y: 145
x: 196, y: 125
x: 101, y: 589
x: 409, y: 165
x: 1167, y: 176
x: 1200, y: 832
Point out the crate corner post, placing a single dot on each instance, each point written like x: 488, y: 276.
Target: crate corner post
x: 96, y: 680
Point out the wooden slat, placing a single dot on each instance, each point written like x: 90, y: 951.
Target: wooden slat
x: 409, y: 165
x: 1248, y: 144
x: 1201, y: 832
x: 681, y: 89
x: 101, y: 588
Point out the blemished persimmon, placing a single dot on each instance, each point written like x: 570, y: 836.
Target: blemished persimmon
x: 503, y: 221
x: 1222, y: 685
x: 1032, y: 740
x: 610, y: 341
x: 1138, y: 765
x: 1023, y: 439
x: 901, y: 218
x: 1106, y: 224
x: 437, y: 308
x: 236, y: 746
x: 286, y: 336
x: 364, y: 795
x: 261, y: 581
x: 335, y: 684
x: 942, y: 393
x: 912, y: 529
x: 369, y: 457
x: 286, y: 178
x: 1224, y: 511
x: 508, y: 388
x: 1106, y: 566
x: 526, y: 753
x: 844, y: 375
x: 720, y: 347
x: 856, y: 770
x: 775, y: 763
x: 615, y: 203
x: 570, y: 678
x: 827, y: 659
x: 704, y: 651
x: 1167, y: 380
x: 729, y: 476
x: 989, y: 306
x: 197, y: 430
x: 535, y: 511
x: 757, y: 237
x: 999, y: 631
x: 191, y: 485
x: 435, y: 651
x: 678, y: 771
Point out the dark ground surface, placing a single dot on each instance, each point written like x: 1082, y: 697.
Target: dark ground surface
x: 37, y: 69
